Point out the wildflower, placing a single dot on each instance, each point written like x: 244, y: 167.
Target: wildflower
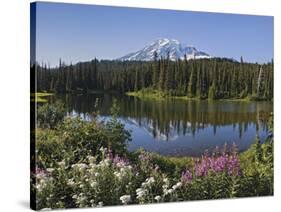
x: 50, y: 170
x: 157, y: 198
x: 117, y: 174
x: 170, y: 191
x: 70, y: 182
x: 40, y: 173
x: 218, y: 162
x: 144, y: 156
x: 179, y: 184
x: 125, y: 199
x: 186, y: 176
x: 104, y: 162
x: 62, y: 163
x: 165, y: 180
x: 150, y: 180
x: 165, y: 186
x: 91, y: 159
x: 140, y: 192
x: 82, y: 166
x: 93, y: 184
x: 103, y: 149
x: 119, y: 162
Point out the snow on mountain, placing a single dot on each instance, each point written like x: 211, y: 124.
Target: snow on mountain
x: 163, y: 47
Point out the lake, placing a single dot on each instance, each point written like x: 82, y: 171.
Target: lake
x: 178, y: 127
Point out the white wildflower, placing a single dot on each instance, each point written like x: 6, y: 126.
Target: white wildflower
x: 170, y: 191
x: 125, y: 199
x: 50, y: 170
x: 140, y: 193
x: 70, y: 182
x: 82, y: 166
x: 164, y: 186
x: 150, y: 180
x: 157, y: 198
x: 179, y: 184
x: 93, y: 184
x: 165, y: 180
x: 62, y: 163
x: 102, y: 149
x: 139, y: 189
x: 104, y: 162
x: 117, y: 174
x: 119, y: 164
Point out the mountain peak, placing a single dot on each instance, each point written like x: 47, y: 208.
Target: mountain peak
x: 163, y: 47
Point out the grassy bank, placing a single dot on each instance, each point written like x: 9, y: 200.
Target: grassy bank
x: 40, y: 97
x: 149, y: 93
x: 157, y: 95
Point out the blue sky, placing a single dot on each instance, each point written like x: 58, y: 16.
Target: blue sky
x: 76, y: 32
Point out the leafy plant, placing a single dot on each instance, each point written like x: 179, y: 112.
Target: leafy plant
x: 49, y: 115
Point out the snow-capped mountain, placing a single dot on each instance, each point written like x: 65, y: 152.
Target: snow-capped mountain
x: 163, y: 47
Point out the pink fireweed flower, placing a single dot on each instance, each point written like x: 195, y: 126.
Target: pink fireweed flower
x: 218, y: 163
x: 119, y: 161
x: 39, y: 173
x: 186, y: 176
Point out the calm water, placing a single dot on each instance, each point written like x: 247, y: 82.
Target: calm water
x: 179, y: 127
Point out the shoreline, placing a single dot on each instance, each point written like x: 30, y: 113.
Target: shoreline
x: 160, y: 96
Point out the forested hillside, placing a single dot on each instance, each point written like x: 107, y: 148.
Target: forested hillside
x: 214, y: 78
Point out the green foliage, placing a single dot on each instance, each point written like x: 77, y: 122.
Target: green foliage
x: 49, y: 115
x: 75, y: 139
x: 219, y: 77
x: 257, y: 164
x: 258, y: 150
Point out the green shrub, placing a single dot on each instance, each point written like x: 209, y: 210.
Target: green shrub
x: 49, y: 115
x: 76, y: 139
